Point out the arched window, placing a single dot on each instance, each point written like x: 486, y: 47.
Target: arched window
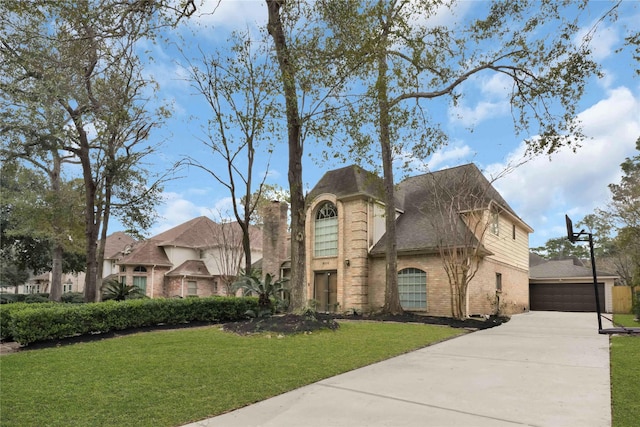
x: 140, y: 269
x: 412, y: 287
x: 326, y: 230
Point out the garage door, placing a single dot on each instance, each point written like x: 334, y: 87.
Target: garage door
x: 565, y: 297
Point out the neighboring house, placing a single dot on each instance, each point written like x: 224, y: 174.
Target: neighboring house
x: 116, y: 245
x: 346, y: 243
x: 197, y: 258
x: 567, y: 285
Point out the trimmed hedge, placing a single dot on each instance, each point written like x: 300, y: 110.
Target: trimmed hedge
x: 28, y: 323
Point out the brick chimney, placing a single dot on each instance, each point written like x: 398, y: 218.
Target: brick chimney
x: 274, y: 237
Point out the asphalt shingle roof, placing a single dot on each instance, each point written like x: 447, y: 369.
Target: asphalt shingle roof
x: 425, y: 201
x: 563, y: 268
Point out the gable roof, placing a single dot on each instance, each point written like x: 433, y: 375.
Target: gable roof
x: 202, y: 233
x: 116, y: 243
x: 193, y: 268
x: 146, y: 253
x: 423, y: 225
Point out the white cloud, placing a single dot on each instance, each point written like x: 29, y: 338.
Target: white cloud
x: 450, y: 156
x: 603, y: 42
x: 494, y: 100
x: 483, y: 110
x: 543, y: 189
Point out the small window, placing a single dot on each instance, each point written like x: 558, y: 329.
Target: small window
x: 192, y: 287
x: 123, y: 269
x: 513, y: 231
x: 412, y: 287
x: 495, y: 223
x: 499, y: 282
x: 140, y: 269
x: 67, y: 286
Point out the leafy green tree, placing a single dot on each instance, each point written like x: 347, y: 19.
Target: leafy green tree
x: 407, y: 60
x: 309, y: 74
x: 560, y: 247
x: 41, y: 227
x: 624, y: 210
x: 72, y: 83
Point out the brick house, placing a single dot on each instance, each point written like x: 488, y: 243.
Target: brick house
x: 346, y: 242
x: 197, y: 258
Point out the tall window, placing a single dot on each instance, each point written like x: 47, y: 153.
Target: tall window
x: 326, y: 230
x: 140, y: 281
x: 412, y: 287
x: 499, y: 282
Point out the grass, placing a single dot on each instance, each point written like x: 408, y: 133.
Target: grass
x: 625, y: 375
x: 626, y: 320
x: 174, y: 377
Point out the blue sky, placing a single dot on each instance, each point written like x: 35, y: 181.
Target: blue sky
x: 541, y: 190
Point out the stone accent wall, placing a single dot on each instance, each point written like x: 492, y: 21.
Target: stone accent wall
x: 354, y: 254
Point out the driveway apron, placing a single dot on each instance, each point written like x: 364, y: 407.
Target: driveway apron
x: 539, y: 369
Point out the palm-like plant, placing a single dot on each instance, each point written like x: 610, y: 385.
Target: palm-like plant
x: 267, y: 291
x: 114, y: 290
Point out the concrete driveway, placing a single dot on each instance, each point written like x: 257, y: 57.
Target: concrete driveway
x: 539, y: 369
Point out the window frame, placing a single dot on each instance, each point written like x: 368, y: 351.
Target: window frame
x: 408, y: 299
x: 325, y: 227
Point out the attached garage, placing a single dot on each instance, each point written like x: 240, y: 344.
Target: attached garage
x: 567, y: 285
x: 565, y: 297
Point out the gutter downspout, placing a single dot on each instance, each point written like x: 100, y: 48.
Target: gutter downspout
x: 153, y: 277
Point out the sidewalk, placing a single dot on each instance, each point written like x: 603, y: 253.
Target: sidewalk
x: 539, y: 369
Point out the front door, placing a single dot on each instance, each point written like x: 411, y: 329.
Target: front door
x: 326, y: 290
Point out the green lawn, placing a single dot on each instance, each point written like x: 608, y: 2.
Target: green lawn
x: 626, y: 320
x: 173, y: 377
x: 625, y: 375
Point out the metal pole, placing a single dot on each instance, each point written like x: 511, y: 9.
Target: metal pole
x: 595, y: 281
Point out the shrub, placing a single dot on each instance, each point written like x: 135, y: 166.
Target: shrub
x: 73, y: 298
x: 28, y: 323
x: 114, y: 290
x: 36, y: 298
x: 6, y: 314
x: 267, y: 291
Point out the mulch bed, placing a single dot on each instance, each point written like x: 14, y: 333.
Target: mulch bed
x: 279, y: 324
x: 293, y: 323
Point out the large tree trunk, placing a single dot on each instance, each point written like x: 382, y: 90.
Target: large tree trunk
x: 392, y: 298
x: 298, y: 219
x: 55, y: 292
x: 90, y: 229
